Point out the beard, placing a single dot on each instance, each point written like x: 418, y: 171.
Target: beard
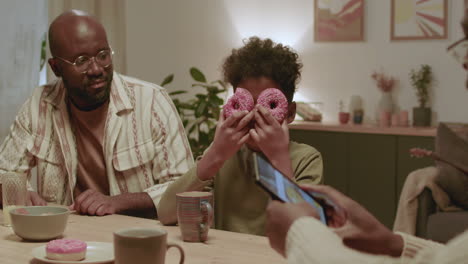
x: 87, y: 98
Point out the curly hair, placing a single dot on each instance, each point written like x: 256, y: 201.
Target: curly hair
x: 264, y: 58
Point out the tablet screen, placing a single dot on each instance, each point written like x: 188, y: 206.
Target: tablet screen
x: 283, y: 188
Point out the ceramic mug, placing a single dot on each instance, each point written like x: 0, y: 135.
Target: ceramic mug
x: 195, y: 215
x: 142, y: 246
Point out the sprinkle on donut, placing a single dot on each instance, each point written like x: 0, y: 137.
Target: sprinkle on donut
x: 274, y: 100
x: 241, y: 100
x: 66, y: 246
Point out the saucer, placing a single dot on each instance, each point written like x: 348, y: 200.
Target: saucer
x: 96, y: 252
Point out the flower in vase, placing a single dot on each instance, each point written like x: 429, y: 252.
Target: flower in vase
x: 384, y: 82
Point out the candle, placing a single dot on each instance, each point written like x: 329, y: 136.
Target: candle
x: 395, y: 120
x: 385, y: 117
x: 404, y: 118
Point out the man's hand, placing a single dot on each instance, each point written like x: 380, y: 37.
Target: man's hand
x: 280, y: 217
x: 92, y: 202
x: 273, y: 139
x: 358, y: 228
x: 35, y: 199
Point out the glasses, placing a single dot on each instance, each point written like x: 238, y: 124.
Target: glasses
x: 459, y: 50
x: 82, y: 63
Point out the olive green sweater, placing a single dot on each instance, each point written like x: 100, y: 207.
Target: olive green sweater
x: 239, y: 203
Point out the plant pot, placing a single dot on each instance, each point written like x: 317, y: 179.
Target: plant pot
x: 344, y: 117
x: 422, y: 116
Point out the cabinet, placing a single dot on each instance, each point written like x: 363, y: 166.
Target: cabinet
x: 369, y: 167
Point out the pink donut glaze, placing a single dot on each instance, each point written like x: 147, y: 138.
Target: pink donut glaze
x: 274, y: 100
x: 64, y: 246
x: 241, y: 100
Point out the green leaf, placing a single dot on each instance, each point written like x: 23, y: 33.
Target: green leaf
x: 191, y: 126
x: 201, y: 96
x: 187, y: 106
x: 212, y: 89
x: 197, y: 75
x: 216, y: 115
x: 210, y: 124
x: 221, y: 91
x: 203, y: 138
x: 167, y: 80
x: 202, y: 85
x: 177, y: 92
x: 211, y: 135
x: 200, y: 109
x: 216, y: 101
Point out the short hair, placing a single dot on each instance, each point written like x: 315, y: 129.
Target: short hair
x: 264, y: 58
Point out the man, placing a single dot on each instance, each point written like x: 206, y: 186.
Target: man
x: 354, y: 235
x: 102, y: 142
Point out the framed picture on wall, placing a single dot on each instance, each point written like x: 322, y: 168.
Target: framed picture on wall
x: 339, y: 20
x: 418, y: 19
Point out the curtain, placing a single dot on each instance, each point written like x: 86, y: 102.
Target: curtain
x: 110, y: 13
x: 23, y: 25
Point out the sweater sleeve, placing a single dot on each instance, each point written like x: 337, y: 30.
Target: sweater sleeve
x: 419, y: 251
x: 414, y: 245
x: 307, y: 164
x: 309, y: 241
x: 167, y: 209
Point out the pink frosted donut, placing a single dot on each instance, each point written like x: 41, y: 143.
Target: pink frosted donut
x: 274, y: 100
x: 66, y: 249
x: 241, y: 100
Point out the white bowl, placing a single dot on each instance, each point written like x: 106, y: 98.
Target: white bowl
x: 39, y: 222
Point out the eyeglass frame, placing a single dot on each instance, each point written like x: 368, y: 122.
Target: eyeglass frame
x: 90, y: 58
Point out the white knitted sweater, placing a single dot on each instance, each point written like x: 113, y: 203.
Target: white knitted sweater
x: 309, y: 241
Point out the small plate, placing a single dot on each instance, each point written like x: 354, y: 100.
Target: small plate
x: 96, y: 252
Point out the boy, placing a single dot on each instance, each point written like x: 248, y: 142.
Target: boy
x: 227, y: 165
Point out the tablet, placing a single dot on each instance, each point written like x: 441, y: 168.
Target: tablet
x: 284, y: 189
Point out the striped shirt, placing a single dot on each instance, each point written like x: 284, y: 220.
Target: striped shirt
x: 145, y: 145
x: 309, y: 241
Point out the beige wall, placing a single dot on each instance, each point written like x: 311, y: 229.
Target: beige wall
x: 169, y: 36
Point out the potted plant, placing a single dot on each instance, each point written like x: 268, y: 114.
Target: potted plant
x: 421, y: 81
x: 342, y: 115
x: 199, y: 114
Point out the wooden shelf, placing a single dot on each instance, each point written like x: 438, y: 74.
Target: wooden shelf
x: 364, y: 129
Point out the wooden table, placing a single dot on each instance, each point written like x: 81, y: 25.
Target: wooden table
x: 221, y: 246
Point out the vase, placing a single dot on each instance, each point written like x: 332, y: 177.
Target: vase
x: 386, y: 104
x: 358, y: 115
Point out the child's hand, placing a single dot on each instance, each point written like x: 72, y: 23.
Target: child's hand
x: 231, y: 133
x: 273, y: 139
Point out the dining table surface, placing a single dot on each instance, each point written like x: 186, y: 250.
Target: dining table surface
x: 220, y: 247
